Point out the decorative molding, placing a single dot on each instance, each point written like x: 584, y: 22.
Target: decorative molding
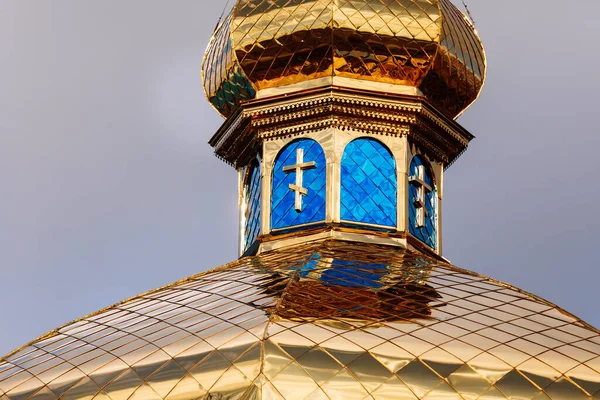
x: 296, y: 114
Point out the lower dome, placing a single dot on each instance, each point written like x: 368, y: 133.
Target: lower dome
x: 331, y: 319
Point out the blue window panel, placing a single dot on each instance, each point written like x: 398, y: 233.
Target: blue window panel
x: 283, y: 210
x: 252, y: 195
x: 369, y: 184
x: 428, y: 232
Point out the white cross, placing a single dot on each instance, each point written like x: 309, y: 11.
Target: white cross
x: 422, y: 190
x: 299, y: 169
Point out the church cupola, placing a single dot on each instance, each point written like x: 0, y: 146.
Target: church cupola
x: 266, y: 46
x: 312, y: 165
x: 340, y: 122
x: 342, y: 131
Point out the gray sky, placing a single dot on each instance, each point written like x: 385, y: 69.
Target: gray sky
x: 109, y: 189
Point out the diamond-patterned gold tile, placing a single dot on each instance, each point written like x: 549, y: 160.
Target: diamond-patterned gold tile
x: 394, y: 388
x: 419, y: 378
x: 186, y: 388
x: 515, y: 385
x: 294, y: 382
x: 344, y: 385
x: 423, y: 43
x: 369, y: 371
x: 257, y: 329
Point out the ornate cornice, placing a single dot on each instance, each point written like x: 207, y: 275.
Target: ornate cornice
x: 306, y: 111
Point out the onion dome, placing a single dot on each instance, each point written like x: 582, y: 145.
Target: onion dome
x: 326, y: 320
x: 425, y: 44
x: 341, y: 291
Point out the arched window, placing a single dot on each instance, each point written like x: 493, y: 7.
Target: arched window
x: 252, y: 196
x: 369, y: 184
x: 299, y: 177
x: 422, y: 204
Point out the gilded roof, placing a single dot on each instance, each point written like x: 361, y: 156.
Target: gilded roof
x: 327, y: 320
x: 427, y: 44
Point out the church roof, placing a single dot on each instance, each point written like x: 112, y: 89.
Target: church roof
x: 328, y: 319
x: 426, y: 44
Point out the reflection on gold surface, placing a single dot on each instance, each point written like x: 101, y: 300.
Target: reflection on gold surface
x: 337, y: 291
x: 325, y: 320
x: 421, y: 43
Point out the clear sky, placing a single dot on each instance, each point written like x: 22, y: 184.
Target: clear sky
x: 108, y: 188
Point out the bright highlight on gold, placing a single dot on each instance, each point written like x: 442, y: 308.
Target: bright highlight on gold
x: 291, y: 325
x: 340, y: 124
x: 427, y: 44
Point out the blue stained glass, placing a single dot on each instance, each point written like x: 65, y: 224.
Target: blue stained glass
x: 283, y: 198
x: 426, y: 232
x: 252, y: 197
x: 369, y: 184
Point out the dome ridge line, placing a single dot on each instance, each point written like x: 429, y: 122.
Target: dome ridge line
x: 347, y: 288
x: 331, y: 35
x: 56, y: 331
x: 273, y: 315
x: 234, y: 11
x: 205, y: 59
x: 276, y: 47
x: 442, y: 262
x: 438, y: 37
x: 340, y: 123
x: 475, y: 51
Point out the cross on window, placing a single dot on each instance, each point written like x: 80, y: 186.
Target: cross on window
x: 422, y: 190
x: 299, y: 169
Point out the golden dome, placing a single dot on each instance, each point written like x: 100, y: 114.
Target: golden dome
x: 327, y: 320
x: 426, y: 44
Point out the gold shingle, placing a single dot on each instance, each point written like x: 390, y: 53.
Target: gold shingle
x: 276, y: 326
x: 426, y: 44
